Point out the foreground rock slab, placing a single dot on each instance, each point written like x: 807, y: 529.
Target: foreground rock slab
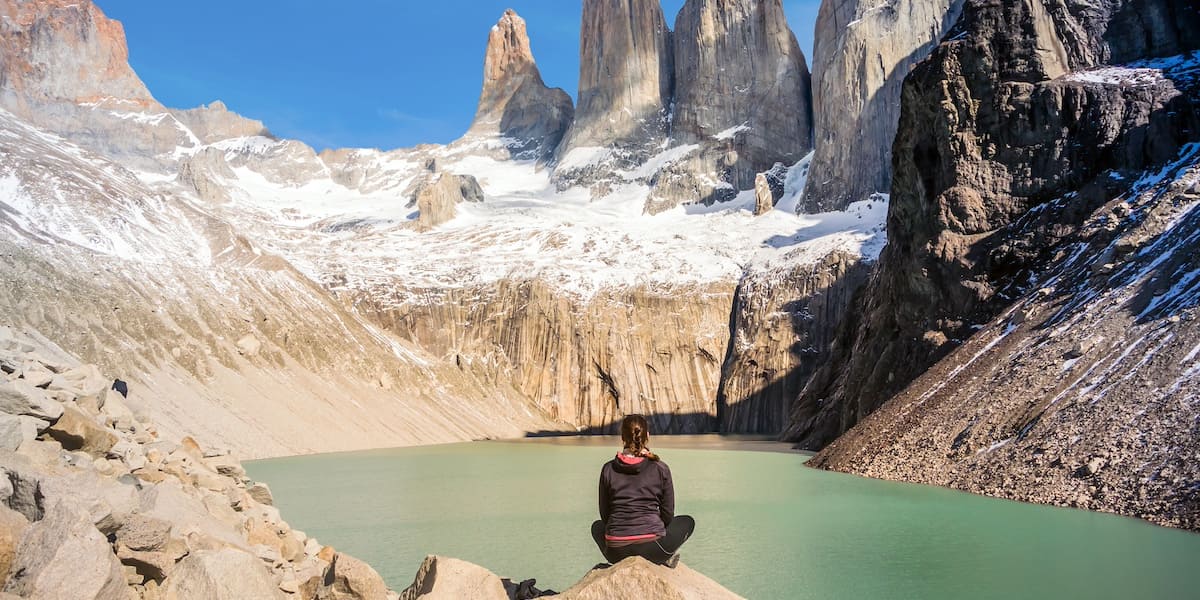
x: 631, y: 579
x: 65, y: 556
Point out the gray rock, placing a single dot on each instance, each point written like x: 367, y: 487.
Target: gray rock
x: 764, y: 200
x: 351, y: 579
x: 261, y: 494
x: 443, y: 578
x: 144, y: 534
x: 248, y: 345
x: 515, y: 102
x: 861, y: 52
x: 20, y: 398
x: 626, y: 73
x: 64, y: 556
x: 741, y: 91
x: 15, y: 431
x: 85, y: 381
x: 226, y: 574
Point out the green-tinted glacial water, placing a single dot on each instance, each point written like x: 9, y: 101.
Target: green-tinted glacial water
x: 767, y: 526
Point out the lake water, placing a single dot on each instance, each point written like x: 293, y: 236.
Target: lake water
x: 767, y: 527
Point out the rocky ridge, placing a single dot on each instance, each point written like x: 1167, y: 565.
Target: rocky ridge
x: 96, y: 504
x: 1014, y: 160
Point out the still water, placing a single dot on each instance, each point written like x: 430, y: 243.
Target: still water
x: 767, y: 527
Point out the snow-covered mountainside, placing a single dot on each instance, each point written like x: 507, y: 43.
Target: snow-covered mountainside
x: 433, y: 293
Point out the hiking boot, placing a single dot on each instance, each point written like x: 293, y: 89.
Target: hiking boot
x: 671, y: 562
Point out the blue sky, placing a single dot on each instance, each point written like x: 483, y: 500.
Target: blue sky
x: 361, y: 73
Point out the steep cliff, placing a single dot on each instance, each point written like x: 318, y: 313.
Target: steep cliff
x: 1083, y: 392
x: 782, y: 324
x: 741, y: 96
x: 862, y: 50
x: 1008, y: 141
x: 626, y: 81
x: 583, y: 362
x: 515, y: 103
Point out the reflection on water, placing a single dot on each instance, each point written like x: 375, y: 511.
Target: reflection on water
x: 768, y: 527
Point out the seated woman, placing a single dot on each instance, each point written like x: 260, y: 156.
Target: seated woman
x: 637, y: 503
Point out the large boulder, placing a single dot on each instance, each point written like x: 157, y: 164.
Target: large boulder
x: 65, y: 556
x: 438, y: 200
x: 15, y: 430
x: 635, y: 579
x: 85, y: 381
x: 351, y: 579
x: 225, y: 574
x: 20, y: 398
x: 76, y: 430
x: 442, y: 578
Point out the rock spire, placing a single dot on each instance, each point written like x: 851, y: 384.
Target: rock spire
x: 515, y: 102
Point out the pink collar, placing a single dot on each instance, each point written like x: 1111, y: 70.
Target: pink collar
x: 630, y: 460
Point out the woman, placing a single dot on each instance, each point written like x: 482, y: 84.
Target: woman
x: 637, y: 503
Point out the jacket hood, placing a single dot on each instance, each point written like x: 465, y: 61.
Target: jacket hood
x: 624, y: 463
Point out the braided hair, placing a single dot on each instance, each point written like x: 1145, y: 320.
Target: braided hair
x: 635, y: 433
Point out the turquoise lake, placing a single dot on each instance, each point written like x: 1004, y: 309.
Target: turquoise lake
x: 767, y: 526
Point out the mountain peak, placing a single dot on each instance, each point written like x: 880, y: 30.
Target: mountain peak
x: 515, y: 103
x: 66, y: 50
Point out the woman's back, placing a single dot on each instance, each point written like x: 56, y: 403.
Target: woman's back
x: 637, y: 497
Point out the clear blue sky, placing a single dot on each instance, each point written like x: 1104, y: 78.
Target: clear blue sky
x: 361, y: 73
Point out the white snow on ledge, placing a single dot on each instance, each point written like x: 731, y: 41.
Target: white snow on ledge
x: 1143, y: 72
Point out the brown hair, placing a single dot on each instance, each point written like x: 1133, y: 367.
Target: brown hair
x: 635, y: 432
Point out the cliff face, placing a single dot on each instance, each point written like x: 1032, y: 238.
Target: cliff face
x: 1083, y: 392
x: 742, y: 95
x: 782, y: 323
x: 862, y: 51
x: 515, y: 103
x: 1007, y: 142
x: 584, y: 362
x: 625, y: 81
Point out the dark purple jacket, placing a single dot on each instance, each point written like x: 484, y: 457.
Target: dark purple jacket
x: 637, y: 498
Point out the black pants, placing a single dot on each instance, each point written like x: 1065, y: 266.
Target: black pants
x: 655, y: 551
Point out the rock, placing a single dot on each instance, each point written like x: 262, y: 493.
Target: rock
x: 515, y: 103
x: 861, y: 52
x: 188, y: 515
x: 442, y: 578
x: 84, y: 381
x: 226, y: 574
x: 144, y: 534
x: 436, y: 201
x: 763, y: 199
x: 215, y: 122
x: 351, y: 579
x: 13, y: 525
x: 741, y: 92
x: 64, y: 556
x: 249, y: 345
x: 20, y: 398
x: 261, y: 494
x: 15, y: 431
x: 75, y: 430
x: 228, y: 466
x: 635, y: 578
x: 36, y: 374
x: 969, y: 183
x: 626, y: 70
x: 154, y: 566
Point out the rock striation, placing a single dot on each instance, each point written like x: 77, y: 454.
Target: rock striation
x: 862, y: 51
x: 515, y: 103
x: 146, y: 517
x: 1003, y: 151
x: 585, y: 363
x: 783, y: 322
x: 741, y: 94
x: 631, y: 579
x: 437, y: 201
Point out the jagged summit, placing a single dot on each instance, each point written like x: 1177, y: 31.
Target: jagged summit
x: 66, y: 50
x: 515, y: 103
